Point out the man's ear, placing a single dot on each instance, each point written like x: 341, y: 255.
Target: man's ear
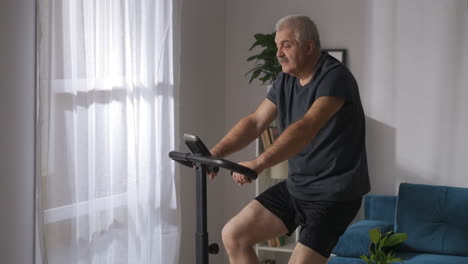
x: 310, y: 47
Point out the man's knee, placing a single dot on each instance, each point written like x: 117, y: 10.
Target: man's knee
x: 234, y: 237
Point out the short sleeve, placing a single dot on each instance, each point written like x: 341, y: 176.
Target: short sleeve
x: 338, y: 82
x: 273, y: 92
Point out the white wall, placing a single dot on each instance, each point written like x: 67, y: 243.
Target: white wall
x: 17, y: 25
x: 202, y: 111
x: 431, y: 81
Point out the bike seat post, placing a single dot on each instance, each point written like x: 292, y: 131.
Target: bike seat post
x: 202, y: 233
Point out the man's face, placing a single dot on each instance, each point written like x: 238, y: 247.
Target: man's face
x: 291, y: 54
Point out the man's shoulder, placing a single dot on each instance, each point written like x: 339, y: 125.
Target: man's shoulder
x: 330, y: 64
x: 334, y: 69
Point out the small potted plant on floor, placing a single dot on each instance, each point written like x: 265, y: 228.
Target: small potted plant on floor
x: 379, y: 251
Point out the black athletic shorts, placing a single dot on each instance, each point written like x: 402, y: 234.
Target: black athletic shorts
x: 322, y: 222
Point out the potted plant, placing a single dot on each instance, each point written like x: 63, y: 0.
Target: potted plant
x: 379, y: 252
x: 266, y: 66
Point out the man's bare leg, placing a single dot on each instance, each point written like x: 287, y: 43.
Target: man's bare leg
x: 252, y: 225
x: 305, y: 255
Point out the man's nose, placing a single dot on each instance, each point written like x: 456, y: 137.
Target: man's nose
x: 279, y: 53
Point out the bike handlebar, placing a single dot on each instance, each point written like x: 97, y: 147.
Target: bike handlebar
x: 188, y: 159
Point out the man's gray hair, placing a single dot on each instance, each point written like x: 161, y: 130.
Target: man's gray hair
x: 304, y: 28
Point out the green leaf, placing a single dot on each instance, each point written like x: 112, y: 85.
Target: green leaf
x: 265, y: 59
x: 374, y: 235
x: 254, y: 69
x: 382, y: 242
x: 255, y: 74
x: 395, y: 239
x: 377, y: 254
x: 251, y: 58
x: 394, y: 260
x: 260, y: 36
x: 264, y: 79
x: 366, y: 259
x: 260, y: 40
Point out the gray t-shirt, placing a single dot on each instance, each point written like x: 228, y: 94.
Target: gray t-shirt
x: 333, y: 166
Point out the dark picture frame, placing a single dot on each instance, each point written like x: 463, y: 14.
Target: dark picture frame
x: 339, y: 54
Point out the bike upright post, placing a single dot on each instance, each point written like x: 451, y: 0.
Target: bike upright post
x: 202, y: 233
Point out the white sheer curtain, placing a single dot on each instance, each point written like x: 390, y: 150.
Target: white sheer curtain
x: 106, y: 187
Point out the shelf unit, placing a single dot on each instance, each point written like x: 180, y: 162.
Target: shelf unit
x: 264, y: 251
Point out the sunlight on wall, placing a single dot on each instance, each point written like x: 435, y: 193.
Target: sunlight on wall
x: 413, y: 87
x: 431, y: 53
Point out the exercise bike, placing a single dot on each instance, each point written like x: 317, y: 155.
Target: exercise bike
x: 202, y: 161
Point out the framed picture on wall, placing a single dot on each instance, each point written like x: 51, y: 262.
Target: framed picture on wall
x: 339, y: 54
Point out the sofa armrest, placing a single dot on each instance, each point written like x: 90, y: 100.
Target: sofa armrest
x: 355, y: 240
x: 380, y: 207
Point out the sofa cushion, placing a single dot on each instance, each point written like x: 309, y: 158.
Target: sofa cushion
x: 344, y: 260
x: 408, y: 258
x: 355, y: 241
x: 380, y: 207
x: 418, y: 258
x: 434, y: 217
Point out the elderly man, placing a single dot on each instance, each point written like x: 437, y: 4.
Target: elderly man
x: 321, y: 120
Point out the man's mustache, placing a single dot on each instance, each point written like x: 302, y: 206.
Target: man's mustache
x: 282, y: 59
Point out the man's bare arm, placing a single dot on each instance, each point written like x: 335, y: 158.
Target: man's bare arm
x: 294, y: 139
x: 246, y: 130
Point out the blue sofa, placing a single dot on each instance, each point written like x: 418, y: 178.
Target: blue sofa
x: 434, y: 217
